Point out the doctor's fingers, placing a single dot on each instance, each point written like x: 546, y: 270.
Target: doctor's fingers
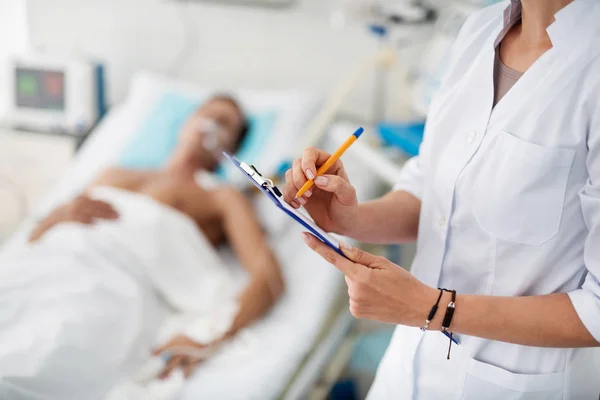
x: 289, y: 190
x: 351, y: 285
x: 298, y: 176
x: 355, y: 309
x: 349, y: 268
x: 299, y: 180
x: 351, y: 288
x: 364, y: 258
x: 341, y: 188
x: 360, y: 289
x: 313, y: 158
x: 362, y: 310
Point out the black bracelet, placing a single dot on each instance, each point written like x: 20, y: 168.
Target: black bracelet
x: 432, y: 312
x: 449, y: 311
x: 448, y: 317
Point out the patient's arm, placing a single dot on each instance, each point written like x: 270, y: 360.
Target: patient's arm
x: 82, y: 209
x: 245, y: 235
x: 85, y: 210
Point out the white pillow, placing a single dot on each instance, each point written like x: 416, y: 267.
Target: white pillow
x: 294, y: 108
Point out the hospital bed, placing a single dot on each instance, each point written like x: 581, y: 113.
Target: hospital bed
x: 287, y: 351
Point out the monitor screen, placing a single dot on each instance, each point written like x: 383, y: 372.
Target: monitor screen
x: 40, y: 89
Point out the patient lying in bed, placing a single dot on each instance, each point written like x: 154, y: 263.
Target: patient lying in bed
x: 85, y: 299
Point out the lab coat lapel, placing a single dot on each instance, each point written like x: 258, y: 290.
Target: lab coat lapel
x: 536, y: 77
x: 573, y: 49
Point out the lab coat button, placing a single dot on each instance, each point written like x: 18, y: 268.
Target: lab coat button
x: 471, y: 137
x: 442, y: 222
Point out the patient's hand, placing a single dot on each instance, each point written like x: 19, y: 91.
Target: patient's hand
x: 186, y: 354
x: 82, y: 209
x: 85, y: 210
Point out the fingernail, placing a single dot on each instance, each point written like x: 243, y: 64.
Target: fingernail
x: 302, y: 200
x: 295, y: 204
x: 321, y: 180
x: 345, y: 245
x: 309, y: 174
x: 306, y: 237
x: 308, y: 193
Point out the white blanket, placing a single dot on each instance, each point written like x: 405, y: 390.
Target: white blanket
x: 81, y: 309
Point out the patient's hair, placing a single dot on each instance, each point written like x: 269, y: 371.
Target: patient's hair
x: 245, y: 128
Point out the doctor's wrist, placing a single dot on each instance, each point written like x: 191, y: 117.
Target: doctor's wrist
x: 356, y: 225
x: 423, y: 303
x: 436, y: 321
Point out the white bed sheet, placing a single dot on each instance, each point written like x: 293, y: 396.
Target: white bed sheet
x: 274, y: 347
x: 99, y: 151
x: 278, y: 344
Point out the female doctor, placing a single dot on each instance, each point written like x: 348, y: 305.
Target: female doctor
x: 504, y: 199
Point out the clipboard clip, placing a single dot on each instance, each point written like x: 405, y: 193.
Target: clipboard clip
x: 259, y: 178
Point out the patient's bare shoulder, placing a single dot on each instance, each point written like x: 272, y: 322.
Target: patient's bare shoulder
x: 201, y: 203
x: 233, y: 203
x: 107, y: 175
x: 228, y: 196
x: 122, y: 178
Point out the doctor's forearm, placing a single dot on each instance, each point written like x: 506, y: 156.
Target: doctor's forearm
x: 541, y: 321
x: 393, y: 218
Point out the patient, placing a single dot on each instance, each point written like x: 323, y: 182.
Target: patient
x: 163, y: 215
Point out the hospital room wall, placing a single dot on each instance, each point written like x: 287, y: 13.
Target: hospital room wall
x: 13, y: 26
x: 13, y: 33
x: 227, y: 46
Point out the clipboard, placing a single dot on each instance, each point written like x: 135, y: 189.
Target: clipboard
x: 266, y: 186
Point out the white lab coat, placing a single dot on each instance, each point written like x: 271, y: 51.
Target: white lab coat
x: 510, y: 207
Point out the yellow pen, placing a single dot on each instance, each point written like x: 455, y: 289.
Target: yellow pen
x: 331, y: 160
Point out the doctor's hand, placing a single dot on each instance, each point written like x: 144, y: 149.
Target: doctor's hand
x: 331, y: 202
x: 379, y: 289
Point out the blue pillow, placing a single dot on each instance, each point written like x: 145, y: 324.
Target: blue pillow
x: 251, y: 149
x: 156, y: 137
x: 151, y: 146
